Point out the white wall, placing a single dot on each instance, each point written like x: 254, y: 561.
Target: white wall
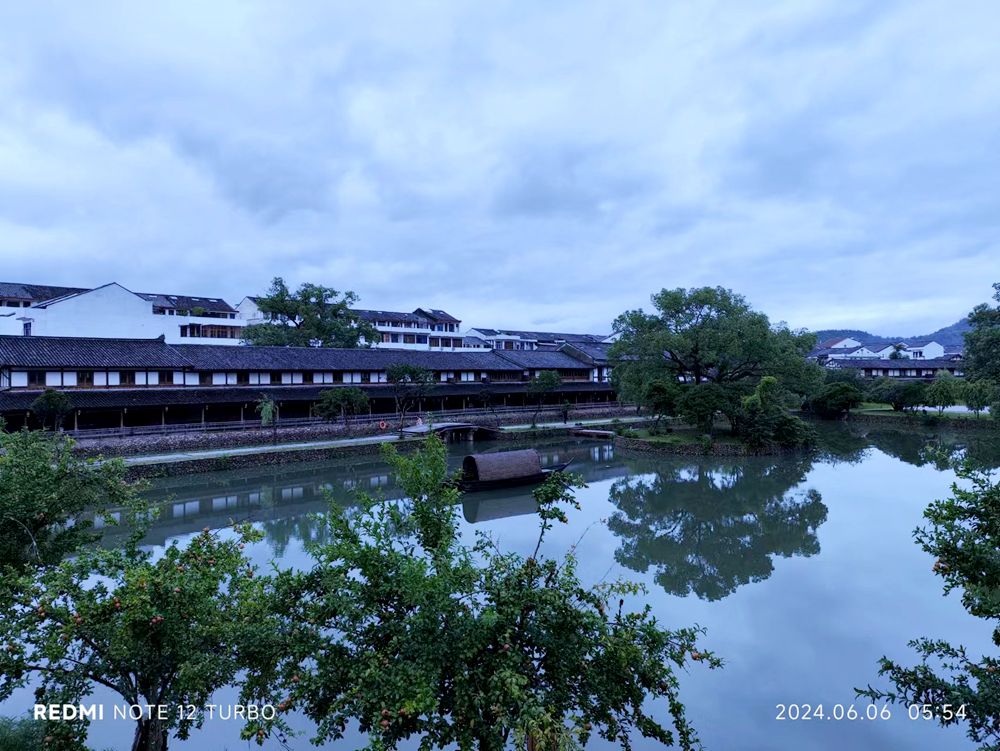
x: 115, y: 313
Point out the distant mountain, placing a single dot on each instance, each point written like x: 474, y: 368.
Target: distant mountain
x: 948, y: 335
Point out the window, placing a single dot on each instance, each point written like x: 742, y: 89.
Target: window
x: 409, y: 339
x: 36, y: 378
x: 395, y: 338
x: 421, y: 339
x: 166, y: 377
x: 243, y: 378
x: 27, y: 328
x: 204, y: 379
x: 435, y: 342
x: 127, y: 378
x: 85, y: 378
x: 386, y: 338
x: 366, y: 377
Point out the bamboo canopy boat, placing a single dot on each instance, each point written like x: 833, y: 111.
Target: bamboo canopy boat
x: 504, y: 469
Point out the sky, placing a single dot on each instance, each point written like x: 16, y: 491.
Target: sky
x: 520, y: 165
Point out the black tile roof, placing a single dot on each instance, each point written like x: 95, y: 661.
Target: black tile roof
x: 420, y: 315
x: 224, y: 357
x: 593, y: 352
x: 185, y: 302
x: 541, y: 359
x: 544, y: 336
x: 35, y: 292
x: 77, y: 352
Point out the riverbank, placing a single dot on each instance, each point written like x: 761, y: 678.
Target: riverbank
x: 138, y: 445
x: 949, y: 421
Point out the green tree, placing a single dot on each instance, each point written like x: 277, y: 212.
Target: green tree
x: 267, y: 408
x: 887, y: 390
x: 402, y: 628
x: 52, y: 407
x: 44, y: 489
x: 977, y: 395
x: 163, y: 631
x: 707, y: 335
x: 836, y: 399
x: 944, y: 391
x: 312, y: 316
x: 963, y: 534
x: 660, y: 397
x: 409, y: 384
x: 544, y: 383
x: 765, y: 420
x: 342, y: 403
x: 699, y: 404
x: 21, y: 734
x: 897, y: 352
x: 982, y: 343
x: 914, y: 394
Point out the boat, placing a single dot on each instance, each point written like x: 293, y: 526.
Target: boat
x: 504, y: 469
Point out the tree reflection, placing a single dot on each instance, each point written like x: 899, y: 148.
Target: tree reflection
x: 709, y: 527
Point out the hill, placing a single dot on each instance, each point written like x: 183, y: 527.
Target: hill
x: 947, y: 335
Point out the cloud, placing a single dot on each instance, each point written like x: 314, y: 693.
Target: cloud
x: 519, y: 166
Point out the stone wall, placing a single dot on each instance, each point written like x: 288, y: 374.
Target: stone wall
x: 262, y: 458
x: 179, y: 442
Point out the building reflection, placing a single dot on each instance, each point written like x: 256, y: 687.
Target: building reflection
x: 282, y: 498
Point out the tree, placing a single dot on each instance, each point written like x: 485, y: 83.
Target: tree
x: 836, y: 399
x: 982, y: 343
x: 660, y: 398
x: 765, y: 420
x: 44, y: 489
x: 978, y: 395
x: 707, y: 335
x: 963, y: 534
x: 341, y: 403
x: 897, y: 352
x: 409, y: 384
x: 887, y: 390
x: 698, y: 405
x: 914, y: 394
x: 405, y: 630
x: 487, y: 399
x: 944, y: 391
x: 544, y: 383
x: 268, y: 411
x: 164, y: 631
x: 52, y: 406
x: 312, y: 316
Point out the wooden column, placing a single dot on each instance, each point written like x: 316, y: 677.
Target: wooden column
x: 121, y: 419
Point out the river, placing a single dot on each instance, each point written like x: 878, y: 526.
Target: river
x: 802, y: 569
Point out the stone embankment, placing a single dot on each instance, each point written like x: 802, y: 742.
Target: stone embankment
x: 179, y: 442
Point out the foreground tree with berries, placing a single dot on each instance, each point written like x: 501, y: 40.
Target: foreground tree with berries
x: 162, y: 632
x: 964, y: 536
x: 43, y: 490
x: 402, y: 628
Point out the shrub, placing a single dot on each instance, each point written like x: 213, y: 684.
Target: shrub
x: 836, y: 399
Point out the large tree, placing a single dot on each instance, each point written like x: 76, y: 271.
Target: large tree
x: 982, y: 343
x: 544, y: 383
x: 709, y: 336
x: 312, y: 316
x: 341, y: 403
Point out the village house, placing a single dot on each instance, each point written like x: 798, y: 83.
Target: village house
x: 142, y: 382
x: 508, y: 339
x: 112, y: 311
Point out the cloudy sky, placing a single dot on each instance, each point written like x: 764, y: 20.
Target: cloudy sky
x: 535, y: 165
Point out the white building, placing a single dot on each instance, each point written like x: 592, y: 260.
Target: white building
x: 510, y: 339
x: 113, y: 312
x: 423, y: 329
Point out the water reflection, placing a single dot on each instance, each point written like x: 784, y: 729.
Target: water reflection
x: 707, y: 527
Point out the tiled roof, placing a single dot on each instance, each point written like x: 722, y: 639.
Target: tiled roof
x: 596, y: 352
x: 223, y: 357
x: 75, y: 352
x: 185, y: 302
x: 544, y: 336
x: 420, y: 315
x: 541, y: 359
x: 35, y: 292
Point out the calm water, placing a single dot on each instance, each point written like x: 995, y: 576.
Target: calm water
x: 802, y: 569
